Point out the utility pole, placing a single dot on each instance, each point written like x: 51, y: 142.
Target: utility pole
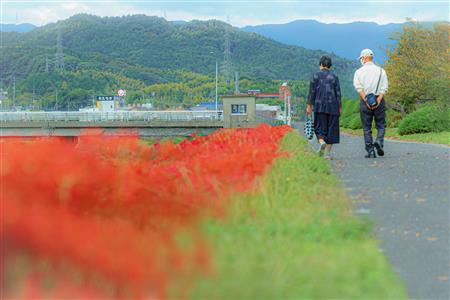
x: 289, y: 110
x: 236, y: 77
x: 46, y: 64
x: 56, y: 98
x: 33, y: 97
x: 217, y: 71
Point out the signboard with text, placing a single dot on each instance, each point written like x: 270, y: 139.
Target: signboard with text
x: 107, y: 98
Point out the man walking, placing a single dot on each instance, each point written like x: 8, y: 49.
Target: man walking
x: 370, y: 81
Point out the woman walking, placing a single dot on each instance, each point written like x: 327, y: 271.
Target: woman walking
x: 325, y: 99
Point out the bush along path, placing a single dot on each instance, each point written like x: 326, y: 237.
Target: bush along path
x: 406, y: 195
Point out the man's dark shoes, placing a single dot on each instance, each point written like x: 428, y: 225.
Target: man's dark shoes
x: 379, y: 148
x: 371, y: 154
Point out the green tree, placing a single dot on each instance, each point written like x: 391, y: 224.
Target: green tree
x: 418, y: 66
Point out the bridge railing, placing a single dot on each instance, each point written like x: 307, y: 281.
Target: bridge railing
x: 261, y: 118
x: 115, y: 116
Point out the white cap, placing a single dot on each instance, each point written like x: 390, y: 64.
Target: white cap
x: 366, y: 52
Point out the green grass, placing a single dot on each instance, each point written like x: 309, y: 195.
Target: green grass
x: 296, y: 238
x: 429, y: 137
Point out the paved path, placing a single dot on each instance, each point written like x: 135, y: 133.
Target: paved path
x: 406, y: 194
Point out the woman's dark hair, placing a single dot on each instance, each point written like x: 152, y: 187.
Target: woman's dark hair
x: 325, y: 61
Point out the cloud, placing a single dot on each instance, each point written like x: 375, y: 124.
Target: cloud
x: 240, y: 13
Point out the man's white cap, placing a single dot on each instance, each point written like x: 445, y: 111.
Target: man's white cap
x: 366, y: 52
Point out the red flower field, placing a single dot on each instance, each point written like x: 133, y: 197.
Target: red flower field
x: 111, y: 217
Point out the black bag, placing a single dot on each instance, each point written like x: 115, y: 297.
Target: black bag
x: 371, y: 98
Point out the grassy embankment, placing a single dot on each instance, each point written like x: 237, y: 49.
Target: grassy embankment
x: 392, y: 133
x: 350, y: 122
x: 296, y: 238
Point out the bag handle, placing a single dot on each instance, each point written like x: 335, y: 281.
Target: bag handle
x: 379, y: 79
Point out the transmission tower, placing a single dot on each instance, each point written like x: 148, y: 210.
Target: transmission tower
x: 227, y: 64
x: 59, y: 55
x: 46, y: 64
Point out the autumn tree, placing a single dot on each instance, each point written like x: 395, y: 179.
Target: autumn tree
x: 418, y: 66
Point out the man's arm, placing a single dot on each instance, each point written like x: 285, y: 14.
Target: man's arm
x: 362, y: 95
x: 358, y: 86
x: 360, y: 89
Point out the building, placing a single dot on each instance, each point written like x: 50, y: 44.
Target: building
x: 3, y: 95
x: 239, y: 110
x: 262, y: 96
x: 284, y: 91
x: 268, y: 111
x: 107, y: 103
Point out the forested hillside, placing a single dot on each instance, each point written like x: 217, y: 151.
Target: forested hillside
x: 148, y: 56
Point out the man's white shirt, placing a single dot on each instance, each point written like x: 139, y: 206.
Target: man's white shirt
x: 366, y: 79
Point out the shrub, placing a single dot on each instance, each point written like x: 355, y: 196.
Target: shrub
x: 425, y: 119
x: 349, y: 107
x: 354, y: 122
x: 344, y: 121
x: 393, y: 118
x: 350, y: 114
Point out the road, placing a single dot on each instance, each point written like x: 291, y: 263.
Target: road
x: 406, y: 195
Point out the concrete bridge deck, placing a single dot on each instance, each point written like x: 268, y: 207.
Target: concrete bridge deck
x: 142, y: 123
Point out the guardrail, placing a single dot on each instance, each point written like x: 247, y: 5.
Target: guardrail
x: 119, y: 116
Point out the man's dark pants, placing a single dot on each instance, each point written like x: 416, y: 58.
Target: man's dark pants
x: 367, y: 117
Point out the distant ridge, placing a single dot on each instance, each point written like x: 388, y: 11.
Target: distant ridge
x: 345, y: 40
x: 25, y: 27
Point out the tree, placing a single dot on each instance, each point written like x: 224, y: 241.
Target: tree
x: 418, y: 66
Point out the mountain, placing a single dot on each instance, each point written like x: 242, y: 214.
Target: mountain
x: 146, y: 51
x: 25, y: 27
x: 345, y: 40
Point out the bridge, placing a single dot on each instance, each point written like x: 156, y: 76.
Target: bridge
x: 142, y: 123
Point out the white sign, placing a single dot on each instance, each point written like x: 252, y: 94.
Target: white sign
x: 105, y: 98
x: 122, y: 93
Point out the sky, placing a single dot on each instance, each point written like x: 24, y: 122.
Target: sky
x: 237, y: 12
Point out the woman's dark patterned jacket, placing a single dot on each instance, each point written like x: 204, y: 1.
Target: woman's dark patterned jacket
x: 325, y: 93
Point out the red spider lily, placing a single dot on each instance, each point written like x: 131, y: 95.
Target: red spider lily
x: 115, y: 207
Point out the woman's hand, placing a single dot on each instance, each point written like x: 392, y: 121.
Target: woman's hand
x: 308, y: 109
